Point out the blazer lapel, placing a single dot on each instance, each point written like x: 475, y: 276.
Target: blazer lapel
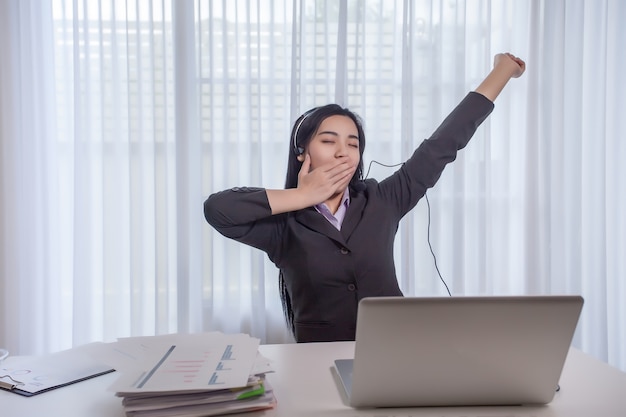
x: 314, y: 220
x: 353, y: 214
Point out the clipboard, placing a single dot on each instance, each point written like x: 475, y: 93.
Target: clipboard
x: 14, y: 386
x: 35, y: 375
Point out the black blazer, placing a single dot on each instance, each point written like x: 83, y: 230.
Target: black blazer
x: 328, y: 271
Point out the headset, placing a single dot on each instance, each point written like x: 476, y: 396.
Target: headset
x: 299, y: 150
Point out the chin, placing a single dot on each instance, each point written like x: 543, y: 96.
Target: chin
x: 341, y: 191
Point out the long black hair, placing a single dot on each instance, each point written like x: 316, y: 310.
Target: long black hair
x: 302, y: 132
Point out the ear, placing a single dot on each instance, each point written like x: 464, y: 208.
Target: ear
x: 300, y: 157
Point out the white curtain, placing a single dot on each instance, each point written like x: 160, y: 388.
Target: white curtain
x: 118, y: 118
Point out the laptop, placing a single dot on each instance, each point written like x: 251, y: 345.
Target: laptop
x: 459, y: 351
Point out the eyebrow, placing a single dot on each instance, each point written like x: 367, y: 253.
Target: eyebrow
x: 330, y: 132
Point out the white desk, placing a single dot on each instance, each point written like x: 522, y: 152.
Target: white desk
x: 305, y: 385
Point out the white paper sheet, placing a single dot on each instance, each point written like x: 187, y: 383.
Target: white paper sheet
x: 177, y: 363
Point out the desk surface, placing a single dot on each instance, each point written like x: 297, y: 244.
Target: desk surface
x: 305, y: 385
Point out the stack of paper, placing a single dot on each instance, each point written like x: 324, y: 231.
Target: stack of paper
x: 190, y: 375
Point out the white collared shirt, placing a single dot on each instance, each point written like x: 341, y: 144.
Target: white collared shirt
x: 337, y: 218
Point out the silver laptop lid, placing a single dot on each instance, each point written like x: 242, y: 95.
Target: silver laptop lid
x: 461, y: 350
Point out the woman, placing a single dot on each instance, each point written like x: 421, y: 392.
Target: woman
x: 330, y: 233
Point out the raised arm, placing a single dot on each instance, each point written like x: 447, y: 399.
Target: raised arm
x: 505, y: 67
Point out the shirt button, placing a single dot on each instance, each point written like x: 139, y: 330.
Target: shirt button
x: 351, y: 287
x: 344, y: 251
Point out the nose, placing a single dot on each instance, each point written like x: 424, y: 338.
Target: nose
x: 342, y: 150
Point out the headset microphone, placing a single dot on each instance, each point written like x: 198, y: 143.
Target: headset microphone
x: 359, y: 186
